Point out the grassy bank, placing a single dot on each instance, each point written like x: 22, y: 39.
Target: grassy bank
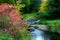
x: 29, y: 16
x: 54, y: 25
x: 21, y: 35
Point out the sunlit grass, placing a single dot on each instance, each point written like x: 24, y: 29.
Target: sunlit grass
x: 5, y: 36
x: 29, y: 16
x: 54, y: 25
x: 53, y: 21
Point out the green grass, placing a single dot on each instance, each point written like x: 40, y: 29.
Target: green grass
x: 54, y: 25
x: 5, y: 36
x: 29, y: 16
x: 49, y: 21
x: 21, y: 35
x: 53, y: 21
x: 24, y: 35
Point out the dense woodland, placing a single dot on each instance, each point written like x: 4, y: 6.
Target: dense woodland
x: 14, y: 13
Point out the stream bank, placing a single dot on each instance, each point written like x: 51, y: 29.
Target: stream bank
x: 40, y: 26
x: 37, y: 34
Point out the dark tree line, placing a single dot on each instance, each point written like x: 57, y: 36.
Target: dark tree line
x: 31, y: 6
x: 55, y: 9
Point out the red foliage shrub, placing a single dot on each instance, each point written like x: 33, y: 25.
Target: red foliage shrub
x: 15, y: 19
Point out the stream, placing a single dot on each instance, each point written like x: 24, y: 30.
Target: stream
x: 37, y: 34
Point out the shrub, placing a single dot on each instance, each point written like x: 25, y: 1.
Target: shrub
x: 11, y: 22
x: 5, y: 36
x: 7, y: 10
x: 54, y: 27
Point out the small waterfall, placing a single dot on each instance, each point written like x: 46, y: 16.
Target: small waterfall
x: 39, y: 35
x: 34, y: 21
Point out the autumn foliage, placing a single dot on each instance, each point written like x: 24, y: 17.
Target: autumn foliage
x: 8, y: 10
x: 14, y: 18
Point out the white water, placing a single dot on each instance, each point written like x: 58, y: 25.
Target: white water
x: 39, y: 35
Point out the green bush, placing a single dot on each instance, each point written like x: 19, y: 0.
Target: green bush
x: 42, y: 21
x: 5, y: 36
x: 54, y: 27
x: 22, y: 35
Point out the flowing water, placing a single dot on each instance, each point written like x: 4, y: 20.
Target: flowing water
x: 37, y: 34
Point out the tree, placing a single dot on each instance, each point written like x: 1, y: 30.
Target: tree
x: 35, y: 5
x: 55, y: 9
x: 10, y: 16
x: 9, y: 2
x: 12, y: 22
x: 44, y: 9
x: 31, y: 5
x: 16, y: 3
